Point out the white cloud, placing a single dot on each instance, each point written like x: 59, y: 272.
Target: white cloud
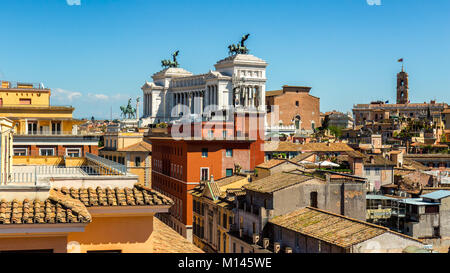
x: 65, y: 95
x: 73, y: 2
x: 98, y: 96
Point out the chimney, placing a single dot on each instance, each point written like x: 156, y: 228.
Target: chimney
x: 276, y: 247
x: 255, y: 238
x: 288, y: 250
x: 212, y: 178
x: 266, y: 243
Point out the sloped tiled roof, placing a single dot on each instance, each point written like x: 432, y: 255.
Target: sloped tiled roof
x: 414, y: 165
x: 377, y: 160
x: 281, y: 146
x: 271, y: 163
x: 325, y: 147
x: 329, y: 227
x: 274, y: 93
x: 355, y: 154
x: 137, y: 196
x: 301, y: 157
x: 56, y: 209
x: 166, y: 240
x: 142, y: 146
x: 276, y: 182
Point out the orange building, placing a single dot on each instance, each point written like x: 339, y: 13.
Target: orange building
x: 88, y: 220
x: 179, y: 164
x: 296, y: 107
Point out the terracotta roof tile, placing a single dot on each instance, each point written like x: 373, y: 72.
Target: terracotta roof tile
x: 166, y: 240
x: 142, y: 146
x: 271, y: 163
x: 325, y: 147
x: 329, y: 227
x: 277, y: 182
x: 137, y: 196
x: 56, y: 209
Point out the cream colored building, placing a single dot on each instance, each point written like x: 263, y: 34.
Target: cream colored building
x: 6, y: 147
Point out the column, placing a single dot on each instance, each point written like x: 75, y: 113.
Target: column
x: 207, y: 96
x: 189, y: 97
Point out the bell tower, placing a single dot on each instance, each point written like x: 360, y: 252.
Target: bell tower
x: 402, y: 87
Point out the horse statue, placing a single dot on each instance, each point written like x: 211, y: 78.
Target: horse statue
x: 128, y: 111
x: 240, y: 47
x: 171, y: 63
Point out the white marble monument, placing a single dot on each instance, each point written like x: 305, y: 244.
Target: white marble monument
x: 239, y: 81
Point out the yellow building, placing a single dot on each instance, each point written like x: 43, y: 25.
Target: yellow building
x: 41, y: 129
x: 213, y: 213
x: 129, y: 149
x: 5, y: 149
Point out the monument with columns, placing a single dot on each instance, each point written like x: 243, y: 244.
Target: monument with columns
x: 238, y: 82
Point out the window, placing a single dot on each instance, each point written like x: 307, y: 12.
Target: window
x: 32, y: 128
x: 377, y: 171
x: 20, y: 151
x: 229, y: 153
x: 25, y: 101
x: 313, y: 199
x: 73, y: 152
x: 46, y: 151
x: 224, y: 134
x: 56, y: 128
x: 205, y: 152
x: 368, y: 171
x: 297, y: 103
x: 137, y: 161
x: 229, y: 172
x: 204, y: 172
x: 210, y: 134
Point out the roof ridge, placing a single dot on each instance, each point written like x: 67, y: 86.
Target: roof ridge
x: 71, y: 203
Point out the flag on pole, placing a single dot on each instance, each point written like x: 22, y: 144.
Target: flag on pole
x: 400, y: 60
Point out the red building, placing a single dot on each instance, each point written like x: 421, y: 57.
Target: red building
x: 180, y: 163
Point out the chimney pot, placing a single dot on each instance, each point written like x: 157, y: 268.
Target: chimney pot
x: 276, y: 247
x: 266, y: 243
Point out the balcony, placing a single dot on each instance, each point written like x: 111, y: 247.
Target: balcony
x: 93, y: 168
x: 21, y: 85
x: 54, y: 133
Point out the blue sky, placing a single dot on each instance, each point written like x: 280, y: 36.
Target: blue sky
x: 96, y: 55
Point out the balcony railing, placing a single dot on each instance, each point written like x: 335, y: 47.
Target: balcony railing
x: 109, y: 164
x: 35, y: 174
x: 54, y: 133
x: 21, y: 85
